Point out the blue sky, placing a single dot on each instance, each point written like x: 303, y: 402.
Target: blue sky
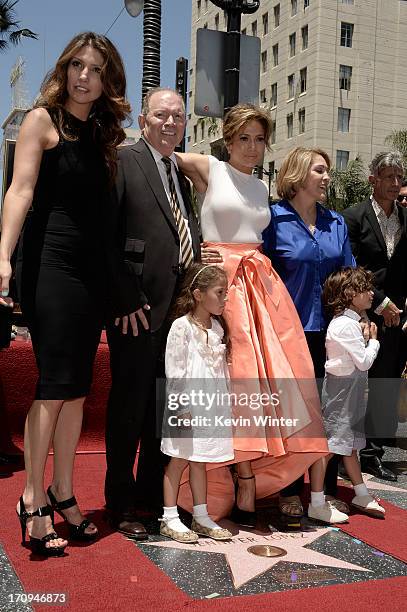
x: 57, y: 21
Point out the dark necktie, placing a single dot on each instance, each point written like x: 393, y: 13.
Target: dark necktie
x: 187, y: 255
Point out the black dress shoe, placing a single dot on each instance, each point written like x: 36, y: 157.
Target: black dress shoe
x: 128, y: 526
x: 374, y: 466
x: 11, y: 460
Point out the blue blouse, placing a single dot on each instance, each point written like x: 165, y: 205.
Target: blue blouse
x: 304, y: 260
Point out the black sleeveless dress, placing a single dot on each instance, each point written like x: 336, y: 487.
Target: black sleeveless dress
x: 61, y: 264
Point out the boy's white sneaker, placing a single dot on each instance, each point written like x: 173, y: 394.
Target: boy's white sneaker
x: 327, y: 513
x: 368, y: 505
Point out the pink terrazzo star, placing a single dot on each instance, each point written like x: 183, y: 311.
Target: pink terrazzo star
x: 245, y: 566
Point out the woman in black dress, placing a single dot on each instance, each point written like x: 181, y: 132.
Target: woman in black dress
x: 65, y: 159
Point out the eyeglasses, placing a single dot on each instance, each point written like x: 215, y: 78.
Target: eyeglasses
x: 401, y: 197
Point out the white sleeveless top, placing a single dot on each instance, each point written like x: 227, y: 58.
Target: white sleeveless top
x: 235, y: 205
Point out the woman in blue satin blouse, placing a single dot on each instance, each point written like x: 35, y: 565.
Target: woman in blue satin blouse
x: 306, y: 242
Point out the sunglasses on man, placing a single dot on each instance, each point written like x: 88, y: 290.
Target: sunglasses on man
x: 401, y: 198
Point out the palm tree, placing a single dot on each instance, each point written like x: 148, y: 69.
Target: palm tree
x: 10, y: 31
x: 151, y: 45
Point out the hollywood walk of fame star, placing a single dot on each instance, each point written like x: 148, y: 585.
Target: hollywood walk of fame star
x: 244, y: 566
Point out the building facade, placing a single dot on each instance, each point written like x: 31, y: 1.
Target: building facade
x: 332, y: 74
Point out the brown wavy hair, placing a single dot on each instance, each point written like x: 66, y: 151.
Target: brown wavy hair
x: 108, y: 112
x: 241, y: 114
x: 341, y: 287
x: 202, y: 277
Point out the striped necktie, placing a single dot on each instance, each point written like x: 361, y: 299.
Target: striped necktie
x: 187, y: 255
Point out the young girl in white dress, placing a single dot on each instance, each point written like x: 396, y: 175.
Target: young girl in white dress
x: 195, y: 425
x: 348, y: 293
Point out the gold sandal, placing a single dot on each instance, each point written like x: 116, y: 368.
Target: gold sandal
x: 291, y: 508
x: 216, y: 533
x: 185, y: 537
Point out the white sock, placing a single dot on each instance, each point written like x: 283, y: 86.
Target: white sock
x: 360, y: 489
x: 172, y: 519
x: 200, y: 514
x: 317, y: 498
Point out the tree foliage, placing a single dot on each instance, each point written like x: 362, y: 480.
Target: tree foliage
x: 349, y: 186
x: 10, y: 30
x: 397, y: 140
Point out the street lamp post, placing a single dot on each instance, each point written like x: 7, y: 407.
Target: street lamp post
x: 151, y: 40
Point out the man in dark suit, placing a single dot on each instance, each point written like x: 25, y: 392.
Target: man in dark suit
x: 378, y: 234
x: 158, y: 242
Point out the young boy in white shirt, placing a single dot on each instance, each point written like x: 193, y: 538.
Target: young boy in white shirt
x: 348, y: 293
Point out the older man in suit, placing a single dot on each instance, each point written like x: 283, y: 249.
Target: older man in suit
x: 159, y: 239
x: 378, y: 235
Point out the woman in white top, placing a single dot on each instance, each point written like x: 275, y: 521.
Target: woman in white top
x: 269, y: 351
x: 348, y: 293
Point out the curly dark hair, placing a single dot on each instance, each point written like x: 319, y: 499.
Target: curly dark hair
x: 341, y: 287
x: 108, y: 112
x: 202, y: 277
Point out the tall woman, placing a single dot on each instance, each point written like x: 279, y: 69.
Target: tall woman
x: 306, y: 242
x: 269, y: 351
x: 65, y: 158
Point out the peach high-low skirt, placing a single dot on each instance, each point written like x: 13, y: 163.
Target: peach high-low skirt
x: 269, y: 355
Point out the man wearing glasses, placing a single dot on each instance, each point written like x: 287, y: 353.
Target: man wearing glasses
x: 402, y: 197
x: 378, y: 234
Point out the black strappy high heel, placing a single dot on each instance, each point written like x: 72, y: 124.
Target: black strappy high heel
x: 245, y: 518
x: 76, y: 532
x: 38, y: 545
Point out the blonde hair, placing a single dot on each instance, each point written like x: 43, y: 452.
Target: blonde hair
x: 241, y: 114
x: 294, y: 170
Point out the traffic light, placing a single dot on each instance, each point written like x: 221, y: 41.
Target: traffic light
x: 181, y: 79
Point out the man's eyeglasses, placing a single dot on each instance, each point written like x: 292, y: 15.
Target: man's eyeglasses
x: 401, y: 197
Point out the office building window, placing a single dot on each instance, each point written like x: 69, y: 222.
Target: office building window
x: 306, y: 4
x: 343, y: 119
x: 203, y: 129
x: 254, y: 28
x: 275, y: 55
x: 273, y: 130
x: 303, y: 80
x: 345, y: 77
x: 292, y: 41
x: 342, y: 159
x: 348, y: 2
x: 195, y: 133
x: 198, y: 7
x: 276, y: 15
x: 290, y: 125
x: 301, y: 121
x: 206, y: 26
x: 206, y: 6
x: 217, y: 21
x: 244, y: 31
x: 265, y: 20
x: 291, y: 85
x: 263, y: 98
x: 304, y: 37
x: 274, y: 94
x: 264, y: 61
x: 294, y: 7
x: 346, y: 34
